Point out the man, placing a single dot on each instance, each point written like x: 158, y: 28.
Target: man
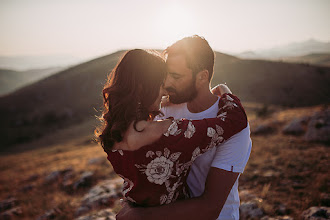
x: 213, y: 179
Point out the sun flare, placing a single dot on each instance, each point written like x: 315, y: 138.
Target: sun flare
x: 175, y: 22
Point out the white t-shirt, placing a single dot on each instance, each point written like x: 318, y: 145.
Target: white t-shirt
x: 232, y: 155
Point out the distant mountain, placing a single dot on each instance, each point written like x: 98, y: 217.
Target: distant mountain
x: 321, y: 59
x: 11, y: 80
x: 22, y: 63
x: 74, y: 95
x: 289, y: 50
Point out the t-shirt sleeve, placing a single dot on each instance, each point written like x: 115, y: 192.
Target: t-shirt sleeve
x: 233, y: 154
x: 210, y: 132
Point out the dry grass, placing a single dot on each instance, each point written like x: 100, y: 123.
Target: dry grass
x: 15, y: 169
x: 281, y: 170
x: 285, y: 169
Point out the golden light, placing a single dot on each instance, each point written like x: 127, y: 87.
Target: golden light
x: 175, y: 22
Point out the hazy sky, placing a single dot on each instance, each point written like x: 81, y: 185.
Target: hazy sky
x: 87, y: 28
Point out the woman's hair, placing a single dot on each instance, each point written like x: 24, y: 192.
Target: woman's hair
x: 132, y: 88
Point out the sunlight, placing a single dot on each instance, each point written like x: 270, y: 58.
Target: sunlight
x: 175, y: 22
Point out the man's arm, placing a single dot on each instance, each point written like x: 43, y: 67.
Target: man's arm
x: 208, y: 206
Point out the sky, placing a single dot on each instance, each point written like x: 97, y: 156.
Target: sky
x: 90, y: 28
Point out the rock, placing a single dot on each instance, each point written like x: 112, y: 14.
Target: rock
x: 277, y: 218
x: 271, y: 173
x: 53, y: 176
x: 316, y: 213
x: 11, y: 213
x: 84, y: 181
x: 82, y: 210
x: 32, y: 178
x: 263, y: 129
x: 281, y: 209
x: 50, y: 214
x: 102, y: 195
x: 325, y: 199
x: 56, y: 175
x: 8, y: 204
x: 104, y: 214
x: 246, y: 195
x: 27, y: 188
x: 318, y: 128
x: 96, y: 161
x: 67, y: 182
x: 295, y: 127
x: 250, y: 210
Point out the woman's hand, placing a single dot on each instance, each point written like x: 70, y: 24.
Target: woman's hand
x: 220, y: 89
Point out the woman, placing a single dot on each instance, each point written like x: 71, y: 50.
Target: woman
x: 154, y: 157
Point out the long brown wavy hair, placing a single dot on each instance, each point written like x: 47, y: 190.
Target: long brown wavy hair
x: 131, y: 89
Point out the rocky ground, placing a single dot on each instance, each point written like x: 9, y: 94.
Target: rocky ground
x: 286, y: 177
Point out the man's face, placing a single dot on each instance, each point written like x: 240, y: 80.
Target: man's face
x: 180, y: 82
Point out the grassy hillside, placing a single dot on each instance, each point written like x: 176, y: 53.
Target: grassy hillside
x: 74, y: 95
x: 283, y: 171
x: 11, y: 80
x: 276, y: 83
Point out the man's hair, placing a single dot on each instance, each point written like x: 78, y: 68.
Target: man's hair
x: 197, y: 51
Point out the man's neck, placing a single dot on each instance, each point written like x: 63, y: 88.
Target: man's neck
x: 204, y: 100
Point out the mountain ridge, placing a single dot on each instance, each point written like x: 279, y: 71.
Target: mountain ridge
x: 74, y: 95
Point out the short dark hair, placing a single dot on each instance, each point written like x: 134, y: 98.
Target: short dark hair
x: 197, y: 51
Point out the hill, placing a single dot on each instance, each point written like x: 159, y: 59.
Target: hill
x: 320, y: 59
x: 274, y: 83
x: 23, y: 63
x: 11, y: 80
x: 74, y: 95
x: 290, y: 50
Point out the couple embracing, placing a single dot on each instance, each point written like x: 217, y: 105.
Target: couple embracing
x: 182, y: 161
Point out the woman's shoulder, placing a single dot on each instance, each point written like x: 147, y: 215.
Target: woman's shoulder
x: 144, y: 133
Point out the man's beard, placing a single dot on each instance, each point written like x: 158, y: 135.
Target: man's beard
x: 186, y: 95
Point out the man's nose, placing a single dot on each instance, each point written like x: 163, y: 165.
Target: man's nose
x: 167, y: 82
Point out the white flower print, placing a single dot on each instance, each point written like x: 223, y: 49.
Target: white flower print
x: 229, y: 103
x: 172, y: 192
x: 159, y: 170
x: 210, y: 132
x: 190, y: 130
x: 229, y: 98
x: 222, y: 116
x: 195, y: 154
x: 119, y: 151
x: 173, y: 129
x: 127, y: 185
x: 150, y: 154
x: 215, y: 134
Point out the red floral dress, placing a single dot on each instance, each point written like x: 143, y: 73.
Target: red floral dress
x: 156, y: 174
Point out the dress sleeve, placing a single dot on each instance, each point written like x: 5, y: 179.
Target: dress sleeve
x: 210, y: 132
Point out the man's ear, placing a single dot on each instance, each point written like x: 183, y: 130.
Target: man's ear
x: 202, y: 77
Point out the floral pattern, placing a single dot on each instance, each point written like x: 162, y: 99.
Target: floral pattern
x: 190, y: 130
x: 160, y: 168
x: 216, y: 135
x: 156, y: 174
x: 173, y: 129
x: 230, y: 104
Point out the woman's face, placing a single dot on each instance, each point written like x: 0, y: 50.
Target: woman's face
x: 156, y: 105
